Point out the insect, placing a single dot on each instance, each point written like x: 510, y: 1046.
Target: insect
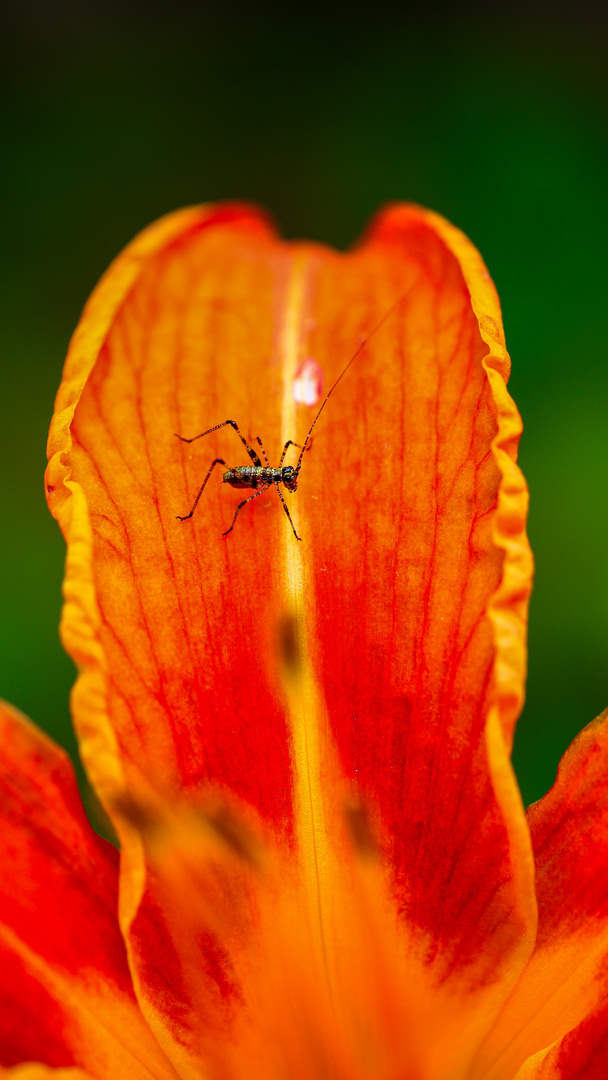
x: 262, y: 477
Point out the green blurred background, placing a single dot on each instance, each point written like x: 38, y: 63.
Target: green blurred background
x: 113, y: 114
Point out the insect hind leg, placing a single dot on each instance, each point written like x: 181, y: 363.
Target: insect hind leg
x: 233, y: 424
x: 286, y: 509
x: 264, y: 452
x: 244, y: 503
x: 217, y: 461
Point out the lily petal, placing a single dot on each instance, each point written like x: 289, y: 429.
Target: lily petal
x: 371, y: 674
x: 567, y: 977
x: 66, y: 995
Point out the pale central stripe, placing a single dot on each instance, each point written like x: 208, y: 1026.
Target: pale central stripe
x: 306, y: 706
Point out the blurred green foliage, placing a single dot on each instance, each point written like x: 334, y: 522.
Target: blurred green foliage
x: 113, y: 115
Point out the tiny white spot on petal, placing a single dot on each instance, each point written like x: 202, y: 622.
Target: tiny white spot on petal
x: 308, y: 382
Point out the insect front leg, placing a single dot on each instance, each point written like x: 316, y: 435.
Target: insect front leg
x: 244, y: 503
x: 218, y: 461
x: 289, y: 443
x: 286, y: 509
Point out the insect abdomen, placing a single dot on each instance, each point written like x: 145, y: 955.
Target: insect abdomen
x: 251, y: 476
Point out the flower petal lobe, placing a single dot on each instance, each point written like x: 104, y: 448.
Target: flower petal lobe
x: 65, y: 988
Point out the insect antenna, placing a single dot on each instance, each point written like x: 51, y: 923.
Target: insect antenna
x: 341, y: 376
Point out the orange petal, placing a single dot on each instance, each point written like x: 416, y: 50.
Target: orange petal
x: 567, y: 977
x: 383, y: 658
x: 65, y: 989
x: 33, y: 1071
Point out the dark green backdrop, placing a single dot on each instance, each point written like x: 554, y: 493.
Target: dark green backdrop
x: 112, y: 115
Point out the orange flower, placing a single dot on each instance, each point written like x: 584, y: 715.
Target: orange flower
x: 325, y: 867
